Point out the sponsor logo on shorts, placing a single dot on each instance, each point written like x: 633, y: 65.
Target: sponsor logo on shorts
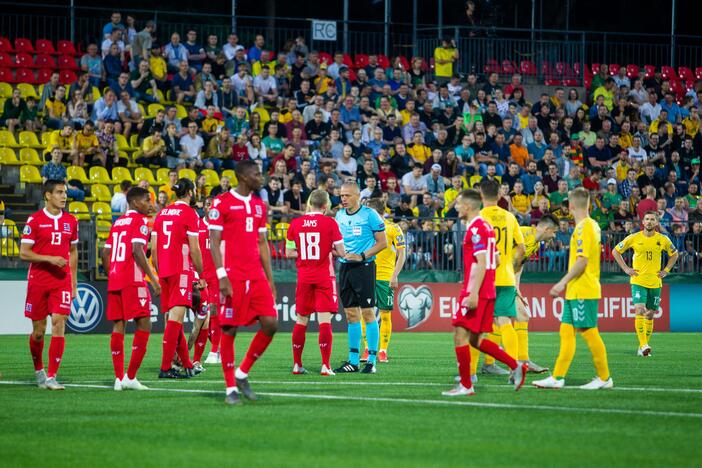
x: 415, y: 304
x: 228, y: 312
x: 86, y: 309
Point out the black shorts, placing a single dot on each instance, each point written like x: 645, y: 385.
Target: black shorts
x: 357, y: 284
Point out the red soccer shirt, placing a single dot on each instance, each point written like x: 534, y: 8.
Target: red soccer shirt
x: 315, y: 236
x: 129, y: 229
x: 173, y: 225
x: 479, y: 240
x: 50, y: 235
x: 241, y: 220
x: 208, y: 268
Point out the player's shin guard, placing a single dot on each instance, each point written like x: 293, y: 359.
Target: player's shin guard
x: 226, y: 351
x: 182, y: 350
x: 464, y: 364
x: 495, y: 337
x: 648, y: 329
x: 509, y: 339
x: 298, y: 342
x: 139, y: 344
x: 171, y: 336
x: 491, y: 349
x: 640, y: 326
x: 256, y: 349
x: 385, y: 329
x: 522, y: 330
x: 372, y: 337
x: 36, y: 349
x: 200, y: 344
x: 117, y: 348
x: 565, y: 352
x: 215, y: 333
x: 474, y: 359
x: 325, y: 342
x: 599, y: 352
x: 354, y: 342
x: 56, y: 347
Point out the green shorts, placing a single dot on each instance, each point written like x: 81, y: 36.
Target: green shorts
x: 384, y: 295
x: 505, y: 301
x: 650, y: 297
x: 581, y: 313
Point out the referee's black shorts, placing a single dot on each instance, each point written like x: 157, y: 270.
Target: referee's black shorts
x: 357, y: 284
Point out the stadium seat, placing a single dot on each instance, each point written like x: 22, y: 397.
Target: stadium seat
x: 11, y: 226
x: 6, y: 60
x: 595, y: 67
x: 360, y: 60
x: 211, y: 177
x: 143, y: 173
x: 64, y: 47
x: 7, y: 139
x: 613, y: 69
x: 348, y: 61
x: 79, y: 210
x: 233, y: 181
x: 30, y: 156
x: 99, y: 175
x: 282, y: 230
x: 44, y: 75
x: 27, y: 90
x: 6, y: 45
x: 8, y: 157
x: 668, y: 73
x: 44, y: 61
x: 187, y: 174
x: 30, y: 175
x: 5, y: 90
x: 29, y: 140
x: 698, y: 73
x: 650, y: 71
x: 632, y: 71
x: 153, y: 108
x: 45, y: 138
x: 570, y: 82
x: 265, y: 116
x: 122, y: 143
x: 67, y: 77
x: 685, y: 74
x: 159, y: 95
x: 324, y: 57
x: 120, y: 174
x: 67, y: 62
x: 6, y: 75
x: 491, y: 65
x: 25, y: 75
x: 181, y: 112
x: 383, y: 61
x: 77, y: 173
x: 101, y: 192
x: 8, y: 247
x: 24, y: 45
x: 102, y: 228
x: 162, y: 176
x: 508, y: 67
x: 102, y: 210
x: 45, y: 46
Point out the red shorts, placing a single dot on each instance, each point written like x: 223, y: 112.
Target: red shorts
x: 249, y: 300
x: 176, y: 291
x: 478, y: 320
x: 44, y: 300
x: 316, y: 297
x: 129, y: 303
x: 211, y: 294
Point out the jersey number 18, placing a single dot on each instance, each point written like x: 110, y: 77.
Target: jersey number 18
x: 309, y: 245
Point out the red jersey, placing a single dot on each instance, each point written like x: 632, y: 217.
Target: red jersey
x: 479, y: 240
x: 50, y: 235
x: 208, y: 267
x: 173, y: 225
x: 315, y: 236
x: 241, y: 220
x: 129, y: 229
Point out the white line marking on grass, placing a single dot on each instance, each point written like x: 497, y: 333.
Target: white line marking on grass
x: 563, y: 409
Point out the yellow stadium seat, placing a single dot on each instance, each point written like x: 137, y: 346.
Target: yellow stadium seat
x: 187, y: 174
x: 103, y: 211
x: 29, y: 140
x: 143, y: 173
x: 120, y: 174
x: 5, y: 90
x: 45, y: 139
x: 159, y: 95
x: 99, y: 175
x: 265, y: 116
x: 101, y: 192
x: 96, y: 93
x: 102, y: 228
x: 30, y: 156
x: 232, y: 177
x: 134, y: 141
x: 8, y: 157
x: 162, y: 176
x: 211, y: 177
x: 27, y: 90
x: 281, y: 230
x: 30, y: 175
x: 9, y: 248
x: 11, y: 227
x: 79, y: 210
x: 77, y: 173
x: 123, y: 144
x: 181, y: 112
x: 8, y: 139
x: 2, y: 103
x: 153, y: 108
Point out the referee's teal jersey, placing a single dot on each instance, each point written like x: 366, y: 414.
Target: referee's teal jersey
x: 358, y: 230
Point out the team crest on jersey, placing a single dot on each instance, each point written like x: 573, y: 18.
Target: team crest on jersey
x: 28, y: 308
x: 144, y: 230
x: 259, y: 211
x: 580, y: 242
x: 66, y: 227
x: 620, y: 245
x: 213, y: 214
x: 27, y: 230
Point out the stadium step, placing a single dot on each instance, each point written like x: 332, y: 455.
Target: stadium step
x: 20, y: 217
x: 6, y: 189
x: 14, y: 198
x: 18, y: 205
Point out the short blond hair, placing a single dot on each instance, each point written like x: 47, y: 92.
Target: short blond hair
x: 318, y: 199
x: 579, y: 197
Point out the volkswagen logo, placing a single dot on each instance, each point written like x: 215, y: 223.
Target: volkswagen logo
x: 86, y: 309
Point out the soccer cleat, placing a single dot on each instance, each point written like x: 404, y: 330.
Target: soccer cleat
x: 41, y: 378
x: 473, y: 379
x: 171, y: 373
x: 369, y: 368
x: 644, y: 351
x: 535, y: 368
x: 133, y: 384
x: 346, y: 368
x: 189, y: 373
x: 245, y: 389
x: 518, y: 375
x: 459, y: 390
x: 493, y: 369
x: 197, y: 367
x: 52, y: 384
x: 213, y: 358
x: 118, y: 385
x: 549, y: 382
x: 382, y: 356
x: 327, y: 372
x: 364, y: 356
x: 232, y: 398
x: 598, y: 384
x: 299, y: 370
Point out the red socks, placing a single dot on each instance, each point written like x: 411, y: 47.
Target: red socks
x: 117, y: 348
x: 182, y: 350
x: 170, y: 343
x: 215, y: 333
x: 463, y: 359
x: 256, y: 349
x: 141, y: 339
x: 298, y: 342
x: 36, y: 349
x: 56, y: 347
x: 200, y: 344
x: 325, y: 342
x: 227, y: 354
x: 488, y: 347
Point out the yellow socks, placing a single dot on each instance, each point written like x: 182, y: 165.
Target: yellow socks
x: 522, y: 330
x: 648, y: 329
x: 495, y: 337
x: 640, y: 329
x: 385, y: 329
x: 599, y: 352
x: 566, y: 351
x: 509, y: 339
x: 474, y: 358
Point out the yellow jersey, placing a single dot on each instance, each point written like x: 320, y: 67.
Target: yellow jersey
x: 85, y: 141
x: 531, y: 245
x: 507, y: 236
x: 56, y: 140
x: 647, y: 256
x: 443, y: 69
x: 385, y: 259
x: 585, y: 242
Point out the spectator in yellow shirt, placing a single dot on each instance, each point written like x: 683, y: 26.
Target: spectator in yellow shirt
x: 85, y: 145
x: 521, y: 203
x: 55, y: 109
x: 417, y: 149
x: 661, y: 120
x: 444, y: 58
x: 158, y: 67
x: 323, y: 81
x: 692, y: 123
x: 607, y: 91
x: 62, y: 139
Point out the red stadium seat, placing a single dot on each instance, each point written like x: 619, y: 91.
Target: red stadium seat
x: 527, y: 68
x: 588, y: 81
x: 685, y: 74
x: 689, y: 85
x: 550, y: 81
x: 491, y: 66
x: 24, y: 45
x: 595, y: 67
x: 6, y: 60
x: 324, y: 57
x: 547, y: 70
x: 614, y: 69
x: 668, y: 73
x: 383, y: 61
x: 405, y: 63
x: 44, y: 61
x: 352, y: 75
x: 508, y: 67
x: 650, y: 70
x: 348, y: 61
x: 44, y: 75
x: 45, y: 46
x: 698, y: 73
x: 67, y: 62
x: 677, y: 88
x: 6, y: 45
x: 6, y: 76
x: 24, y: 75
x: 361, y: 60
x: 67, y: 77
x: 632, y: 71
x: 24, y: 60
x: 570, y: 82
x: 64, y: 47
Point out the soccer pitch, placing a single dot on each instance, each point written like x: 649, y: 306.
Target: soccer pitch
x: 396, y: 417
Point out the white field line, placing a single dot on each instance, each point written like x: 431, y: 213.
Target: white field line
x: 562, y: 409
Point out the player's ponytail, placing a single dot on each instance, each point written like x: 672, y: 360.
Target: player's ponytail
x: 182, y: 187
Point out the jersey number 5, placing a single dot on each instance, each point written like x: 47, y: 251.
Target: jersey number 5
x: 309, y: 246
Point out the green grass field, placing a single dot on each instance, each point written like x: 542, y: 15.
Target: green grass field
x: 396, y: 417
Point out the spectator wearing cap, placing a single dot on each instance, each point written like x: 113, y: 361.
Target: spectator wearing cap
x: 436, y: 185
x: 695, y: 172
x: 611, y: 198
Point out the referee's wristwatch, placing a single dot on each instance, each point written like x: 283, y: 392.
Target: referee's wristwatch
x: 363, y: 256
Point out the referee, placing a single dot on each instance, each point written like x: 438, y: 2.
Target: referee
x: 363, y: 231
